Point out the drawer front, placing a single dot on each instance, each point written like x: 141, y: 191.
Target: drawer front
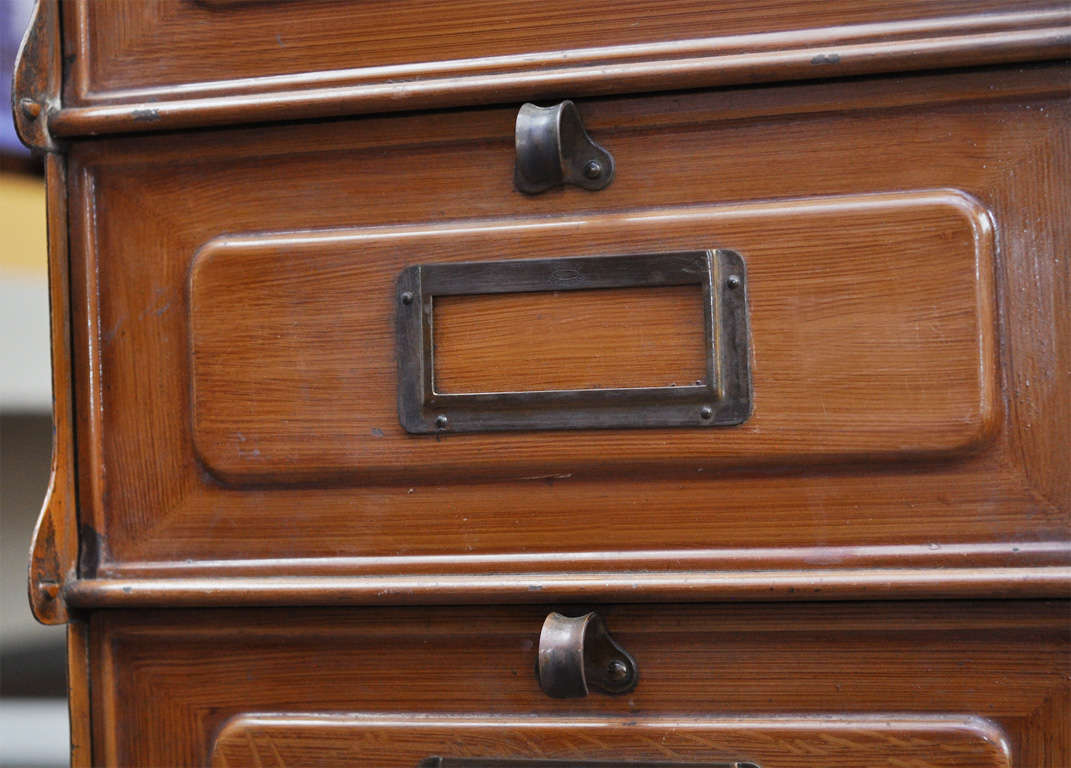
x: 274, y: 741
x: 895, y: 684
x: 235, y: 301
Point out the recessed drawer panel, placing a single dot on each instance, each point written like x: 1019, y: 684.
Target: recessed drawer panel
x: 839, y: 741
x: 871, y: 332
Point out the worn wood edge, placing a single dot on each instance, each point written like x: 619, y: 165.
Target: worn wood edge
x: 87, y: 464
x: 863, y: 49
x: 35, y: 85
x: 54, y: 546
x: 613, y: 586
x: 959, y: 555
x: 981, y: 729
x: 826, y: 721
x: 991, y: 403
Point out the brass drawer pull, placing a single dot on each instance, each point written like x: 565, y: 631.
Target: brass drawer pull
x: 578, y: 653
x: 553, y: 148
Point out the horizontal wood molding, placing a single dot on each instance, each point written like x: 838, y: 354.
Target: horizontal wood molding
x: 799, y: 54
x: 615, y: 586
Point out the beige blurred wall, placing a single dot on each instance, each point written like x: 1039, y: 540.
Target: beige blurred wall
x: 24, y: 345
x: 30, y: 655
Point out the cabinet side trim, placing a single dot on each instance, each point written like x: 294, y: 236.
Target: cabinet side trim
x: 54, y: 548
x: 38, y: 71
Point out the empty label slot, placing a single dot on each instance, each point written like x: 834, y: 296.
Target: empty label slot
x: 587, y: 339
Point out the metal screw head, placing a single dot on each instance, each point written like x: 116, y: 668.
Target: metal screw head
x: 441, y: 421
x: 30, y: 108
x: 407, y: 298
x: 733, y: 282
x: 49, y: 590
x: 706, y: 412
x: 593, y: 169
x: 617, y: 671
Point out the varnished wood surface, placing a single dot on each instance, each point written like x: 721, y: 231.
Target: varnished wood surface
x: 78, y: 693
x: 956, y: 484
x: 287, y: 741
x: 627, y: 337
x: 374, y: 582
x: 38, y: 73
x: 166, y: 682
x: 872, y: 322
x: 145, y: 207
x: 179, y: 64
x: 54, y: 549
x: 130, y: 45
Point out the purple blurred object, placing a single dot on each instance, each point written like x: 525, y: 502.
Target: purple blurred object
x: 14, y: 18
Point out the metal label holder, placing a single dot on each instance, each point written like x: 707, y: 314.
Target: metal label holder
x: 724, y: 399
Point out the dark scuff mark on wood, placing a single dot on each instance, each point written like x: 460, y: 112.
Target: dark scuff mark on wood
x: 824, y: 58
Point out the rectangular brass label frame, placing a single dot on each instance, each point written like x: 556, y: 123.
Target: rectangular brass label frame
x: 723, y: 400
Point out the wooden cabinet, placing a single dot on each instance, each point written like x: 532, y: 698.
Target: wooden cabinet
x: 834, y: 534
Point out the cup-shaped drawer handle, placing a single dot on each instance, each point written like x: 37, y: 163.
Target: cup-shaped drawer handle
x: 576, y: 654
x: 553, y: 148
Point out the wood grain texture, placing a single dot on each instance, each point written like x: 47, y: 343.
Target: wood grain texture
x: 877, y: 741
x: 166, y: 682
x: 78, y: 694
x: 626, y: 337
x: 222, y: 316
x: 178, y: 64
x: 872, y: 323
x: 143, y: 207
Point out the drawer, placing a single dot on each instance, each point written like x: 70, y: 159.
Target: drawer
x: 237, y: 298
x: 875, y: 684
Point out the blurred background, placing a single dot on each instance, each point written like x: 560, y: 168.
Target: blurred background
x: 33, y: 708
